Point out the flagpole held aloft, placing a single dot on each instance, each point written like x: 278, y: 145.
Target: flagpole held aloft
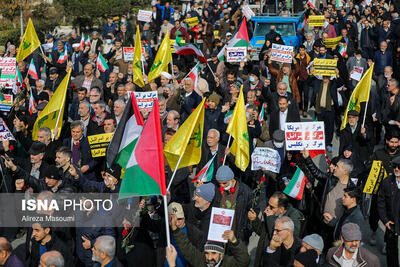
x: 166, y: 220
x: 227, y: 145
x: 173, y: 175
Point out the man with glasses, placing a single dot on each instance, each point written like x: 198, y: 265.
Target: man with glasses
x: 283, y: 244
x: 389, y: 212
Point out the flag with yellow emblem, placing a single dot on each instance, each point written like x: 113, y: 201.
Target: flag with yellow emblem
x: 360, y: 94
x: 237, y: 127
x: 29, y: 42
x: 52, y: 114
x: 137, y: 63
x: 162, y: 59
x: 186, y: 142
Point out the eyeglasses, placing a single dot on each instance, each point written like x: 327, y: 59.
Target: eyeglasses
x: 278, y: 231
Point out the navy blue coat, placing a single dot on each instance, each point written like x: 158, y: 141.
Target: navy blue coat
x: 387, y: 58
x: 189, y: 104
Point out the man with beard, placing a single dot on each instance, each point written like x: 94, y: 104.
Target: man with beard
x: 349, y: 252
x: 104, y: 252
x: 385, y: 155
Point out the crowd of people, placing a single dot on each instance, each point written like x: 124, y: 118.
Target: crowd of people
x: 329, y: 226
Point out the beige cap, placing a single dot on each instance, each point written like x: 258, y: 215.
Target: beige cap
x: 176, y: 208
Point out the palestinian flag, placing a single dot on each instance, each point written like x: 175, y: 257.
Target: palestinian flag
x: 101, y: 63
x: 194, y: 75
x: 205, y: 175
x: 145, y: 173
x: 240, y: 39
x: 32, y: 71
x: 190, y: 49
x: 295, y: 188
x: 261, y: 115
x: 63, y: 56
x: 228, y: 116
x: 32, y: 103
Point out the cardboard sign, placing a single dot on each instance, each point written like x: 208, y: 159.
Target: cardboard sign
x: 324, y: 67
x: 308, y: 135
x: 5, y: 133
x: 145, y: 15
x: 98, y: 144
x: 128, y: 53
x: 247, y: 11
x: 316, y: 21
x: 220, y: 221
x: 375, y: 177
x: 236, y: 54
x: 8, y: 66
x: 192, y: 21
x: 145, y: 100
x: 332, y: 42
x: 357, y: 73
x: 48, y: 47
x: 266, y: 158
x: 7, y: 103
x: 282, y: 53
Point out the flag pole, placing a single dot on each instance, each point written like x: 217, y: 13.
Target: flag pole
x: 173, y: 175
x: 211, y: 71
x: 365, y: 113
x: 58, y: 119
x: 227, y: 145
x: 166, y: 220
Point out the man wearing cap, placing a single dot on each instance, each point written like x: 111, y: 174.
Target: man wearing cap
x: 214, y: 252
x: 190, y: 99
x: 356, y: 61
x: 229, y: 192
x: 356, y: 135
x: 35, y: 165
x: 389, y: 212
x: 109, y: 26
x: 313, y: 242
x: 198, y: 212
x: 88, y: 80
x: 54, y: 79
x: 350, y: 252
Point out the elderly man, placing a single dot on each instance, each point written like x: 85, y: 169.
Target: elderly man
x: 51, y: 258
x: 350, y: 252
x: 212, y: 149
x: 88, y: 80
x: 95, y: 125
x: 198, y: 212
x: 84, y: 113
x: 119, y: 107
x: 283, y: 246
x: 314, y: 242
x: 191, y: 99
x: 173, y: 118
x: 73, y: 111
x: 7, y: 258
x: 281, y: 90
x: 104, y: 250
x: 382, y: 58
x: 233, y: 194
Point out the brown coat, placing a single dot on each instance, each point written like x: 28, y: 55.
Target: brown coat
x: 292, y: 79
x: 364, y: 257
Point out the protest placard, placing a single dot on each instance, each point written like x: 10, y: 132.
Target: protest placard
x: 266, y: 158
x: 129, y: 51
x: 375, y: 177
x: 144, y: 15
x: 332, y: 42
x: 324, y: 67
x: 48, y: 47
x: 220, y: 221
x: 357, y: 73
x: 8, y: 66
x: 7, y: 103
x: 5, y: 133
x: 308, y: 135
x: 247, y: 11
x: 236, y: 54
x: 192, y: 21
x: 281, y: 53
x: 316, y: 21
x: 98, y: 144
x: 145, y: 100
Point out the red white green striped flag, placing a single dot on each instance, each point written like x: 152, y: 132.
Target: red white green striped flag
x: 32, y: 71
x: 87, y: 41
x: 342, y: 52
x: 190, y: 49
x: 295, y: 188
x: 101, y: 63
x: 82, y: 43
x: 261, y: 115
x: 205, y: 174
x: 32, y: 103
x: 228, y: 116
x: 194, y: 75
x: 63, y: 56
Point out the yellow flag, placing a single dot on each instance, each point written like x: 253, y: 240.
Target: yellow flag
x: 360, y: 94
x: 137, y: 63
x: 186, y: 142
x: 162, y: 59
x: 50, y: 116
x: 29, y: 42
x: 237, y: 127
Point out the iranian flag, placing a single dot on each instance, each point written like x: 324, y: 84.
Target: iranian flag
x: 63, y: 56
x: 194, y: 75
x: 190, y: 49
x: 82, y: 43
x: 87, y: 40
x: 205, y: 174
x: 342, y: 51
x: 240, y: 39
x: 18, y: 82
x: 261, y: 115
x: 295, y: 188
x: 101, y: 63
x: 32, y: 103
x: 145, y: 173
x: 228, y: 116
x: 32, y: 71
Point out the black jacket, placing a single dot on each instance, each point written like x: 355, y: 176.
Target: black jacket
x: 292, y: 116
x: 27, y: 166
x: 359, y: 142
x: 388, y: 202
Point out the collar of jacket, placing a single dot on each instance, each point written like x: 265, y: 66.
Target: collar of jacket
x: 338, y: 254
x: 307, y: 57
